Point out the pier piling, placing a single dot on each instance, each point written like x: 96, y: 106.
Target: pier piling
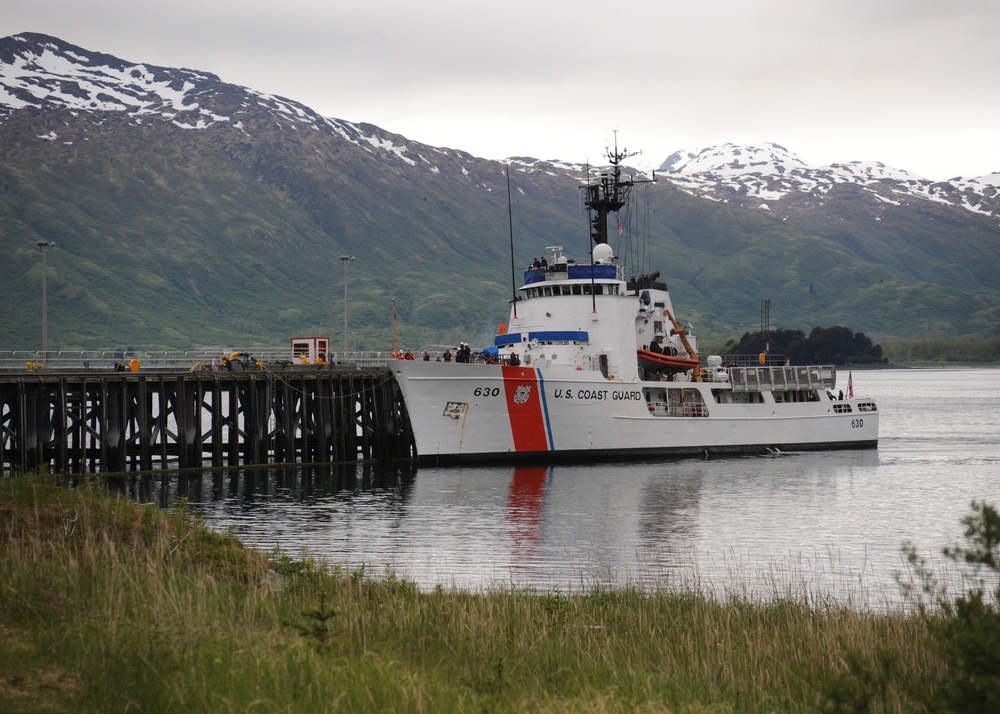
x: 80, y: 422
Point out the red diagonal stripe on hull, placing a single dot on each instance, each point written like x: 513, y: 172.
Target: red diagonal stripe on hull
x: 524, y: 408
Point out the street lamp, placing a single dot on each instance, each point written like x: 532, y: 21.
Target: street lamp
x: 43, y: 248
x: 346, y: 260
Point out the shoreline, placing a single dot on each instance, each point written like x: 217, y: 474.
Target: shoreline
x: 114, y: 605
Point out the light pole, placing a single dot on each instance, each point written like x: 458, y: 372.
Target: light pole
x: 43, y: 248
x: 346, y: 260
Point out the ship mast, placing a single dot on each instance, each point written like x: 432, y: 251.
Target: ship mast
x: 609, y: 194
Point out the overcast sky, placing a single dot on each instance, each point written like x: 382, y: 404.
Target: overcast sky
x: 912, y: 83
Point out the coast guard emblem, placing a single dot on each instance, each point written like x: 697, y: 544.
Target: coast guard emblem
x: 522, y: 394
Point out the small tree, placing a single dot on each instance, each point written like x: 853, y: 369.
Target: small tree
x: 966, y: 629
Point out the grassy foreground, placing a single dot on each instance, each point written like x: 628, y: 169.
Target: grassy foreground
x: 111, y: 606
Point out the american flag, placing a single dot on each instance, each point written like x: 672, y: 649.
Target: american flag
x: 619, y: 224
x: 850, y: 385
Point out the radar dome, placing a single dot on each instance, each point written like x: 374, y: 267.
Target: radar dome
x: 603, y: 253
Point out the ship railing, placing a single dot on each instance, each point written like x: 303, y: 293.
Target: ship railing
x: 784, y: 378
x: 770, y: 360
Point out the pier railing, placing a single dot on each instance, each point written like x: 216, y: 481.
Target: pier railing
x: 109, y: 360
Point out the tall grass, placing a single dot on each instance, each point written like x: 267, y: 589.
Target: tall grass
x: 109, y: 606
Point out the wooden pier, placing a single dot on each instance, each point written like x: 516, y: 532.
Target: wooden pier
x: 109, y: 422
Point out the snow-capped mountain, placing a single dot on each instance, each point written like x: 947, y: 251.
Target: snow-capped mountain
x: 38, y: 71
x: 762, y: 175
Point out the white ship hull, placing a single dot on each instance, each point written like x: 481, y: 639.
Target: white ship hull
x: 470, y: 412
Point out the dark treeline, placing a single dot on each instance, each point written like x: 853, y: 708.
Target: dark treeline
x: 824, y: 345
x: 961, y: 350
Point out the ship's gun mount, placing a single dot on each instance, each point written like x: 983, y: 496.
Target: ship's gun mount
x: 645, y: 282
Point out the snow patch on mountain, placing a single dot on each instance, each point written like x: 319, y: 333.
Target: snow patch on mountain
x: 51, y: 76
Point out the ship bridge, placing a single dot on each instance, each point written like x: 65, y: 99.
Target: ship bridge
x: 561, y: 277
x: 570, y: 271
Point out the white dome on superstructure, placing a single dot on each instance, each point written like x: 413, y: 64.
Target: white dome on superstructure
x: 603, y: 253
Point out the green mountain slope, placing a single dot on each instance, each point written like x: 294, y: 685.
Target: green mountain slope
x: 172, y: 237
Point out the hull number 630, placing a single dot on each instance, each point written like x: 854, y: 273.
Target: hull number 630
x: 857, y: 423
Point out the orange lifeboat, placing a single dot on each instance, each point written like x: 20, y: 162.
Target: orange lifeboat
x: 654, y: 362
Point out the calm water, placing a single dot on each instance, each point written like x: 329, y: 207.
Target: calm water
x: 827, y: 524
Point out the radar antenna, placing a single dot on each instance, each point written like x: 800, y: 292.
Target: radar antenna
x: 609, y: 194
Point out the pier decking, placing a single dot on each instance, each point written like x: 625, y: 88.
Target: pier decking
x: 88, y: 421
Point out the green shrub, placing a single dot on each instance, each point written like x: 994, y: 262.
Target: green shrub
x: 964, y: 632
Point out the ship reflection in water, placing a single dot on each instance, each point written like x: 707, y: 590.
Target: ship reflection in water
x: 744, y: 526
x: 525, y: 505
